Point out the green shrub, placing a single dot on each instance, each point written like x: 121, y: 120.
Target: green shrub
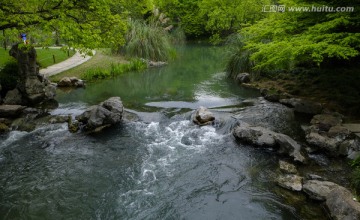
x: 8, y: 76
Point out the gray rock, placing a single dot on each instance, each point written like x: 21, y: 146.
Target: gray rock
x: 71, y: 82
x: 263, y: 137
x: 105, y: 114
x: 243, y: 78
x: 258, y: 136
x: 303, y: 106
x: 202, y: 116
x: 290, y: 181
x: 273, y: 116
x: 330, y: 145
x: 341, y: 204
x: 13, y: 97
x: 30, y: 84
x: 318, y: 190
x: 325, y: 121
x: 50, y: 91
x: 287, y: 168
x: 289, y: 146
x: 65, y: 82
x: 11, y: 110
x: 353, y: 147
x: 314, y: 177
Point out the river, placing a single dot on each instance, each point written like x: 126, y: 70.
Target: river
x: 156, y: 164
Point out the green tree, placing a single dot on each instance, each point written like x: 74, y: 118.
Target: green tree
x: 80, y: 23
x: 290, y: 39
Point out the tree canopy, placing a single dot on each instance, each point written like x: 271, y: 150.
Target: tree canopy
x: 80, y: 23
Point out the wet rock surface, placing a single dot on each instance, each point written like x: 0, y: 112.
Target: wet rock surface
x: 100, y: 116
x: 328, y: 134
x: 263, y: 137
x: 202, y: 116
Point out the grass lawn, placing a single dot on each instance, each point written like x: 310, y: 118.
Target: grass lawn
x: 102, y: 59
x: 44, y: 56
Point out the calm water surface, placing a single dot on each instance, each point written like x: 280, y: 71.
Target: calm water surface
x: 156, y: 166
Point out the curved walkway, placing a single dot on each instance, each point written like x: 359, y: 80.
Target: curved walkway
x: 73, y: 61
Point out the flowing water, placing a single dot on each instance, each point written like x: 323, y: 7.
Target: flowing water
x: 156, y: 164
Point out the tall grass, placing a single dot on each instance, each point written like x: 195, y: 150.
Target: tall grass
x: 148, y: 41
x: 115, y: 69
x: 238, y: 58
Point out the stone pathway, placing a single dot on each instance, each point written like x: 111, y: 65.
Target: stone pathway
x: 73, y: 61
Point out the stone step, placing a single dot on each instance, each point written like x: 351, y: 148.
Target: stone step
x: 355, y: 128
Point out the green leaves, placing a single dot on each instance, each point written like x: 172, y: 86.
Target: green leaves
x: 81, y: 24
x: 286, y: 40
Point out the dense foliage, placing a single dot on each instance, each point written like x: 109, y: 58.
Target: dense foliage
x: 291, y: 39
x: 215, y: 18
x: 81, y: 24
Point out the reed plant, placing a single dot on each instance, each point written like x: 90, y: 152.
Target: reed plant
x: 238, y: 58
x: 148, y: 40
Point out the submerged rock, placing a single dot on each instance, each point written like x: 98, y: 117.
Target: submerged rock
x: 103, y: 115
x: 202, y: 116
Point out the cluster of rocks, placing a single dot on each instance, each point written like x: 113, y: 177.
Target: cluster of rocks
x: 23, y: 107
x: 98, y: 117
x: 339, y: 201
x: 71, y: 82
x: 32, y: 90
x: 327, y: 133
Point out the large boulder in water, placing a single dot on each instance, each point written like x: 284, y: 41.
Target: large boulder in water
x: 103, y: 115
x: 202, y: 116
x: 264, y: 137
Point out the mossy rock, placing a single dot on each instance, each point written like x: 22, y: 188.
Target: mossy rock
x: 4, y: 128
